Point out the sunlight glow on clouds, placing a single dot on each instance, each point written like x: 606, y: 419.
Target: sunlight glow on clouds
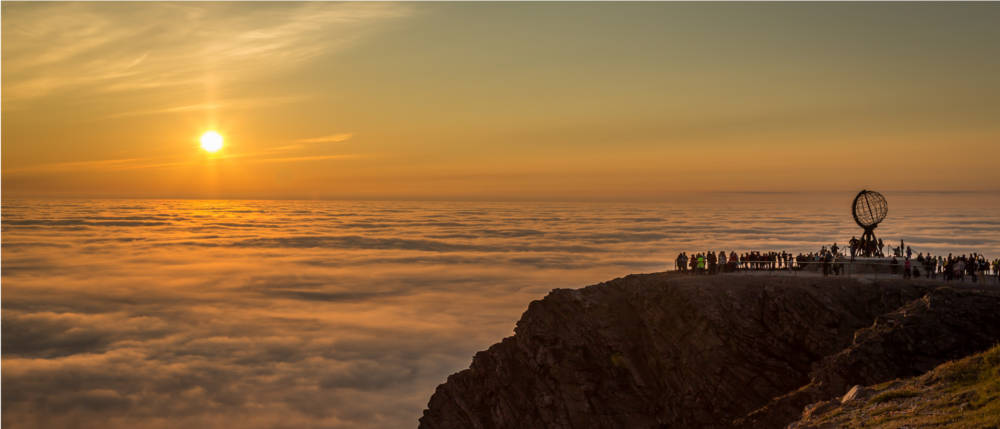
x: 263, y: 314
x: 496, y: 101
x: 100, y: 48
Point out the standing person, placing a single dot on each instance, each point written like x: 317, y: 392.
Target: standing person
x: 834, y: 249
x: 909, y: 252
x: 722, y: 261
x: 880, y: 246
x: 854, y: 247
x: 701, y: 263
x: 681, y: 262
x: 906, y: 269
x: 734, y: 260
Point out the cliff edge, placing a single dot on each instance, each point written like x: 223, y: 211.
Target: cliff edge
x: 660, y: 350
x: 962, y: 394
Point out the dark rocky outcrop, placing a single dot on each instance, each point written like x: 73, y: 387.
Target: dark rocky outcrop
x: 658, y: 351
x: 943, y: 325
x: 958, y: 394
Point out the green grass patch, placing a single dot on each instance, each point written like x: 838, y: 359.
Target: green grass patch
x: 992, y: 357
x: 963, y: 394
x: 893, y: 395
x: 967, y: 372
x: 961, y: 375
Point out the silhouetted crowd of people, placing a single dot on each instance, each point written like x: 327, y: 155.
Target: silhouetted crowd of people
x: 974, y: 266
x: 711, y: 262
x: 832, y: 261
x: 860, y: 247
x: 865, y: 246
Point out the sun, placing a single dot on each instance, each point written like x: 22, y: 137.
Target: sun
x: 211, y: 141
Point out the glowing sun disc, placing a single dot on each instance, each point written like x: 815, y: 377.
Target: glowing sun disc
x: 211, y: 141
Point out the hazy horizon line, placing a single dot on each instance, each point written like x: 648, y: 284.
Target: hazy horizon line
x: 492, y: 199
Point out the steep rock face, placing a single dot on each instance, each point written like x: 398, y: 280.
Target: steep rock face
x: 943, y: 325
x: 958, y: 394
x: 657, y: 350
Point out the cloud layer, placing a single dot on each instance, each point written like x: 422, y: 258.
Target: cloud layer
x: 104, y: 48
x: 337, y: 314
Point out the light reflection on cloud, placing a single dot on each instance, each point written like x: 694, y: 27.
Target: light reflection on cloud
x: 154, y: 314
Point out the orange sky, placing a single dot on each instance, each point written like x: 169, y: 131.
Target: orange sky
x: 497, y: 101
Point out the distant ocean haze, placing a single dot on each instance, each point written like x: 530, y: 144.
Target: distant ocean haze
x: 163, y: 313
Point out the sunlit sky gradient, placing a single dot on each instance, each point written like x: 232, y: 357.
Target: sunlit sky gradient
x: 497, y: 101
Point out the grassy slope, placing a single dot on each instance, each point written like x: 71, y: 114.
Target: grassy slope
x: 958, y: 394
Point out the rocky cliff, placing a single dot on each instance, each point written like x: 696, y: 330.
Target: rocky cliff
x: 658, y: 351
x: 962, y: 394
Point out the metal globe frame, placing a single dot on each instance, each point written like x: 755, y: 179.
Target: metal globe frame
x: 869, y: 209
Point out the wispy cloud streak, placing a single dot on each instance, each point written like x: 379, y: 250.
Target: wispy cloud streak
x: 234, y: 104
x: 99, y: 48
x: 147, y: 163
x: 333, y: 138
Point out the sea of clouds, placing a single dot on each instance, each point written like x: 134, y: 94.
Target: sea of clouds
x: 269, y: 314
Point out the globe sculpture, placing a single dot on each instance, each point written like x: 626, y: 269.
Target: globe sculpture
x: 869, y: 209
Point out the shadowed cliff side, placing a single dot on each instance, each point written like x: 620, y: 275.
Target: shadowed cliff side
x: 663, y: 351
x: 943, y: 325
x: 962, y: 394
